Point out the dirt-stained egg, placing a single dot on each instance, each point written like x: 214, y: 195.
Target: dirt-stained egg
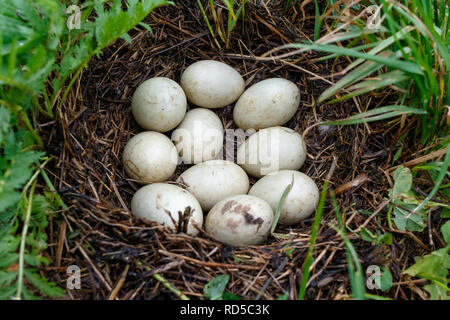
x: 199, y: 137
x: 213, y: 181
x: 301, y: 200
x: 150, y: 157
x: 270, y: 150
x: 168, y: 205
x: 159, y: 104
x: 211, y: 84
x: 271, y: 102
x: 240, y: 220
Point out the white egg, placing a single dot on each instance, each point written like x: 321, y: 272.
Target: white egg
x: 169, y: 205
x: 213, y: 181
x: 159, y: 104
x: 301, y: 200
x: 240, y: 220
x: 150, y: 157
x: 268, y: 103
x: 199, y: 137
x: 211, y: 84
x: 270, y: 150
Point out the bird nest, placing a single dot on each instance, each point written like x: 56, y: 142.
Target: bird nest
x: 122, y: 257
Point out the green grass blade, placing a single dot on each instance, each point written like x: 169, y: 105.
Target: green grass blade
x: 380, y: 81
x: 437, y: 184
x: 359, y: 48
x: 229, y: 4
x: 382, y: 45
x: 375, y: 297
x: 356, y: 273
x: 233, y: 22
x: 376, y: 114
x: 345, y: 36
x: 280, y: 205
x: 427, y: 31
x: 317, y: 21
x: 361, y: 72
x: 312, y: 241
x: 405, y: 66
x: 208, y: 24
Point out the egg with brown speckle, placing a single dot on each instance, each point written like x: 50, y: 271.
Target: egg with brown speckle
x: 169, y: 205
x: 240, y: 220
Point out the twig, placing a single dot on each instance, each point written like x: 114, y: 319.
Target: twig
x: 59, y: 250
x: 120, y: 283
x: 208, y: 264
x: 163, y: 268
x: 269, y: 281
x: 382, y: 205
x: 102, y: 279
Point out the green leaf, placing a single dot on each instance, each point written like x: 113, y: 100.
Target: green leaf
x: 8, y: 199
x: 9, y: 243
x: 366, y: 235
x: 7, y: 292
x: 385, y: 279
x: 406, y: 219
x: 402, y: 180
x: 111, y: 25
x: 445, y: 212
x: 385, y: 238
x: 437, y: 292
x: 146, y: 27
x: 445, y: 229
x: 229, y: 296
x: 433, y: 266
x: 284, y: 296
x: 126, y: 37
x: 397, y: 154
x: 6, y: 278
x: 405, y: 202
x: 214, y: 289
x: 48, y: 288
x: 8, y: 259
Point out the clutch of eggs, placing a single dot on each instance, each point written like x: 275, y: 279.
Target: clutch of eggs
x: 273, y: 154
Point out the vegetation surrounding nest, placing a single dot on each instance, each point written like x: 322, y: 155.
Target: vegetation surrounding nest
x: 65, y: 118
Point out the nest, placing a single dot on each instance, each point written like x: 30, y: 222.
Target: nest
x: 120, y: 256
